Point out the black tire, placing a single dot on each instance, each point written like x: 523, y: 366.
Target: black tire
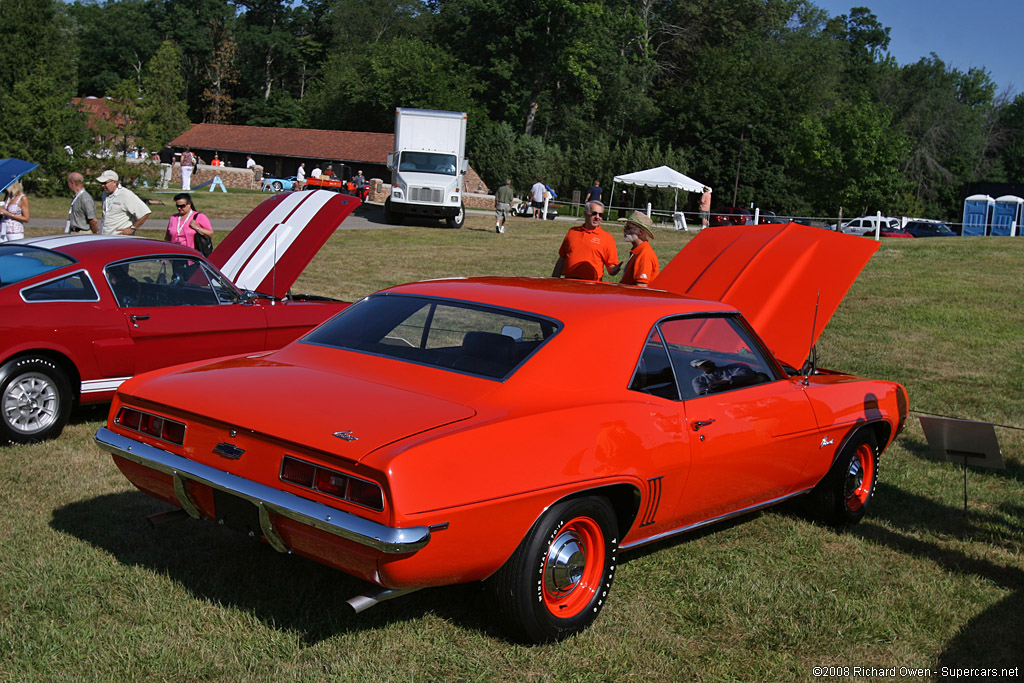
x: 459, y: 219
x: 843, y: 496
x: 277, y: 186
x: 35, y: 400
x: 390, y: 216
x: 558, y: 579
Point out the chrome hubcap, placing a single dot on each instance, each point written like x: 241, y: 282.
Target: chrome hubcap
x: 567, y: 557
x: 854, y: 477
x: 30, y: 403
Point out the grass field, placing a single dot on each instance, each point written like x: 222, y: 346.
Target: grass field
x: 89, y: 592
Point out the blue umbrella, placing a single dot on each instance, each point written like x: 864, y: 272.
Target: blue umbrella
x: 11, y: 171
x: 554, y: 195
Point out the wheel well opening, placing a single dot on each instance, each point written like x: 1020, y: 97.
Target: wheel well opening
x: 62, y: 362
x: 625, y: 501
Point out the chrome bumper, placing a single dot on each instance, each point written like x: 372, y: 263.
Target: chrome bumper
x: 317, y: 515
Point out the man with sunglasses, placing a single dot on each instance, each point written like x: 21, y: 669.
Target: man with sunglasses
x: 588, y: 249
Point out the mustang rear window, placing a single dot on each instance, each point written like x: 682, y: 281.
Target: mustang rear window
x: 479, y: 340
x: 20, y: 262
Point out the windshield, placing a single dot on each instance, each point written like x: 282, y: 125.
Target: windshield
x: 20, y: 262
x: 428, y: 162
x: 455, y: 335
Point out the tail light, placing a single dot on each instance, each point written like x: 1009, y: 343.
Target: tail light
x: 156, y: 426
x: 332, y: 483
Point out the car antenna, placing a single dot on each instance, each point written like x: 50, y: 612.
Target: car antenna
x: 273, y: 273
x: 812, y: 362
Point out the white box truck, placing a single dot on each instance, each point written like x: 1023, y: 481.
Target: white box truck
x: 428, y: 166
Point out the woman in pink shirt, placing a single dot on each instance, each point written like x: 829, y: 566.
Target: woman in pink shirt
x: 183, y: 226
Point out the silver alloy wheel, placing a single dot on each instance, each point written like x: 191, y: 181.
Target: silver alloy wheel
x: 567, y: 557
x: 30, y: 403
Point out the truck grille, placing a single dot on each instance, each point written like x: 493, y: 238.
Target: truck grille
x: 433, y: 195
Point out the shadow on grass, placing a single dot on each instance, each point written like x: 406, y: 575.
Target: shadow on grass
x: 221, y: 566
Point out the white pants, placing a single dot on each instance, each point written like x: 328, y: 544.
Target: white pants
x: 165, y: 175
x: 186, y: 178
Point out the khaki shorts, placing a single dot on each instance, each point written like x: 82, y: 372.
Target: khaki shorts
x: 502, y: 210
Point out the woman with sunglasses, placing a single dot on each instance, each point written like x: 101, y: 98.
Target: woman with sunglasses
x: 186, y: 222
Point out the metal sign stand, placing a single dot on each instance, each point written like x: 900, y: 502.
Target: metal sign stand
x: 967, y: 441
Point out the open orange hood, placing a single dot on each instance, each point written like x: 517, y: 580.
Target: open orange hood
x: 269, y: 248
x: 787, y: 280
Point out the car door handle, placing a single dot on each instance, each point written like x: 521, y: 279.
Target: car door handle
x: 701, y: 423
x: 136, y: 318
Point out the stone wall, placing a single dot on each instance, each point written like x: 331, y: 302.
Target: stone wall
x: 233, y: 178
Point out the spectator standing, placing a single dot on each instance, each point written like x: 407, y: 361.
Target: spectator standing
x: 216, y: 160
x: 82, y: 214
x: 360, y: 183
x: 502, y: 205
x: 642, y: 266
x: 537, y: 196
x: 588, y: 249
x: 123, y: 212
x: 594, y: 193
x: 300, y: 176
x: 317, y: 172
x: 166, y: 165
x: 183, y: 225
x: 14, y: 213
x: 249, y: 162
x: 188, y: 163
x: 705, y: 207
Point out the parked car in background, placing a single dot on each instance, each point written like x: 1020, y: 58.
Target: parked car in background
x: 79, y: 314
x: 730, y: 215
x: 866, y: 224
x: 929, y: 229
x: 449, y: 432
x: 887, y: 231
x: 278, y: 184
x: 524, y: 209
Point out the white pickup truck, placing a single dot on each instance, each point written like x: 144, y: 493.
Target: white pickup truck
x: 867, y: 224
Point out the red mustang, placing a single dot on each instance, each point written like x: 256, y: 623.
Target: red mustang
x: 524, y: 431
x: 80, y: 314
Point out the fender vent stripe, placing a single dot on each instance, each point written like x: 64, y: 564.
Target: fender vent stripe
x: 653, y: 501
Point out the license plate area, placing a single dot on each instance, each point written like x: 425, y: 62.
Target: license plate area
x: 236, y: 513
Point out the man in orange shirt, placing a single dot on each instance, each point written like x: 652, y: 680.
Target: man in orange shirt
x: 642, y: 266
x: 587, y: 249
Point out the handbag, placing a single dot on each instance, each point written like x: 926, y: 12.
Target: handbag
x: 204, y: 245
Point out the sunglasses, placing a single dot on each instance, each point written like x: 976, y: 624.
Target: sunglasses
x: 181, y: 206
x: 596, y: 213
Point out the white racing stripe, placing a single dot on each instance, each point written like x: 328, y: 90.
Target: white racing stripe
x: 94, y: 386
x: 272, y: 237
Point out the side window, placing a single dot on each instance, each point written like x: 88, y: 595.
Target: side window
x: 161, y: 282
x: 226, y: 294
x: 74, y: 287
x: 653, y: 374
x: 712, y: 355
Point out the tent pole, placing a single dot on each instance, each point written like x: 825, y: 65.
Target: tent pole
x: 611, y: 200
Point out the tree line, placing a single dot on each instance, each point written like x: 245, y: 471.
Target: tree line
x: 768, y: 101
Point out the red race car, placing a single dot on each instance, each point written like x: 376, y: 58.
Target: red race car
x: 81, y: 314
x: 525, y: 431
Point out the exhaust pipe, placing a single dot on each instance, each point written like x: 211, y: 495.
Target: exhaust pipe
x: 162, y: 518
x: 361, y: 603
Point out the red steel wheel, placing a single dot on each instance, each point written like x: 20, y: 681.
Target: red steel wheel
x: 573, y: 568
x: 843, y: 496
x: 860, y: 477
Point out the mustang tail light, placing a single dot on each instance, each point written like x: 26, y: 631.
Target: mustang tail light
x: 333, y: 483
x: 158, y: 427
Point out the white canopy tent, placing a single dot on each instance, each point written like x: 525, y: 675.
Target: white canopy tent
x: 662, y: 177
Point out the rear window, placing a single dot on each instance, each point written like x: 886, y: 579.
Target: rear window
x: 20, y: 262
x: 461, y: 336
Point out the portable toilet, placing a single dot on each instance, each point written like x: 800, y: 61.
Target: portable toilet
x: 977, y: 214
x: 1006, y: 215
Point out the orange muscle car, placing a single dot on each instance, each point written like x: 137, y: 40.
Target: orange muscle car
x: 524, y: 431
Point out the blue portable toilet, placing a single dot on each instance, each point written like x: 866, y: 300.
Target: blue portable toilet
x: 977, y: 215
x: 1006, y: 215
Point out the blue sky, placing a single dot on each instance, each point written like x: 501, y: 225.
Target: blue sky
x: 983, y: 33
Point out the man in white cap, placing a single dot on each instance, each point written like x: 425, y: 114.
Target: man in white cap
x: 123, y: 211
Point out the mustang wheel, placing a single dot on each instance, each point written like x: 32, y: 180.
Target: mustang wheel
x: 459, y: 219
x: 844, y: 494
x: 35, y: 400
x: 558, y: 579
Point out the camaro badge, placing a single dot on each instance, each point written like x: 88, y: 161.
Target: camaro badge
x: 825, y: 442
x: 228, y: 450
x: 346, y: 435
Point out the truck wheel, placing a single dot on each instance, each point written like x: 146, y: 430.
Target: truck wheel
x: 459, y: 219
x: 35, y: 400
x: 557, y: 580
x: 390, y: 216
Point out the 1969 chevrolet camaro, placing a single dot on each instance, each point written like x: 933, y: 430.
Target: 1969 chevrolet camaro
x: 525, y: 431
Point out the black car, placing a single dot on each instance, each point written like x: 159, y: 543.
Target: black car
x: 928, y: 229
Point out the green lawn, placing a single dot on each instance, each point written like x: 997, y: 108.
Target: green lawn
x: 89, y: 592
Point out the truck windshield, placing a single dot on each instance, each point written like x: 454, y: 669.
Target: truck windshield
x: 427, y: 162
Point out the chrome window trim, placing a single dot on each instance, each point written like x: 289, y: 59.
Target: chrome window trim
x: 379, y: 537
x: 88, y: 276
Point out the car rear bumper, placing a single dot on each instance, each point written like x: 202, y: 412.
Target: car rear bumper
x: 269, y: 501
